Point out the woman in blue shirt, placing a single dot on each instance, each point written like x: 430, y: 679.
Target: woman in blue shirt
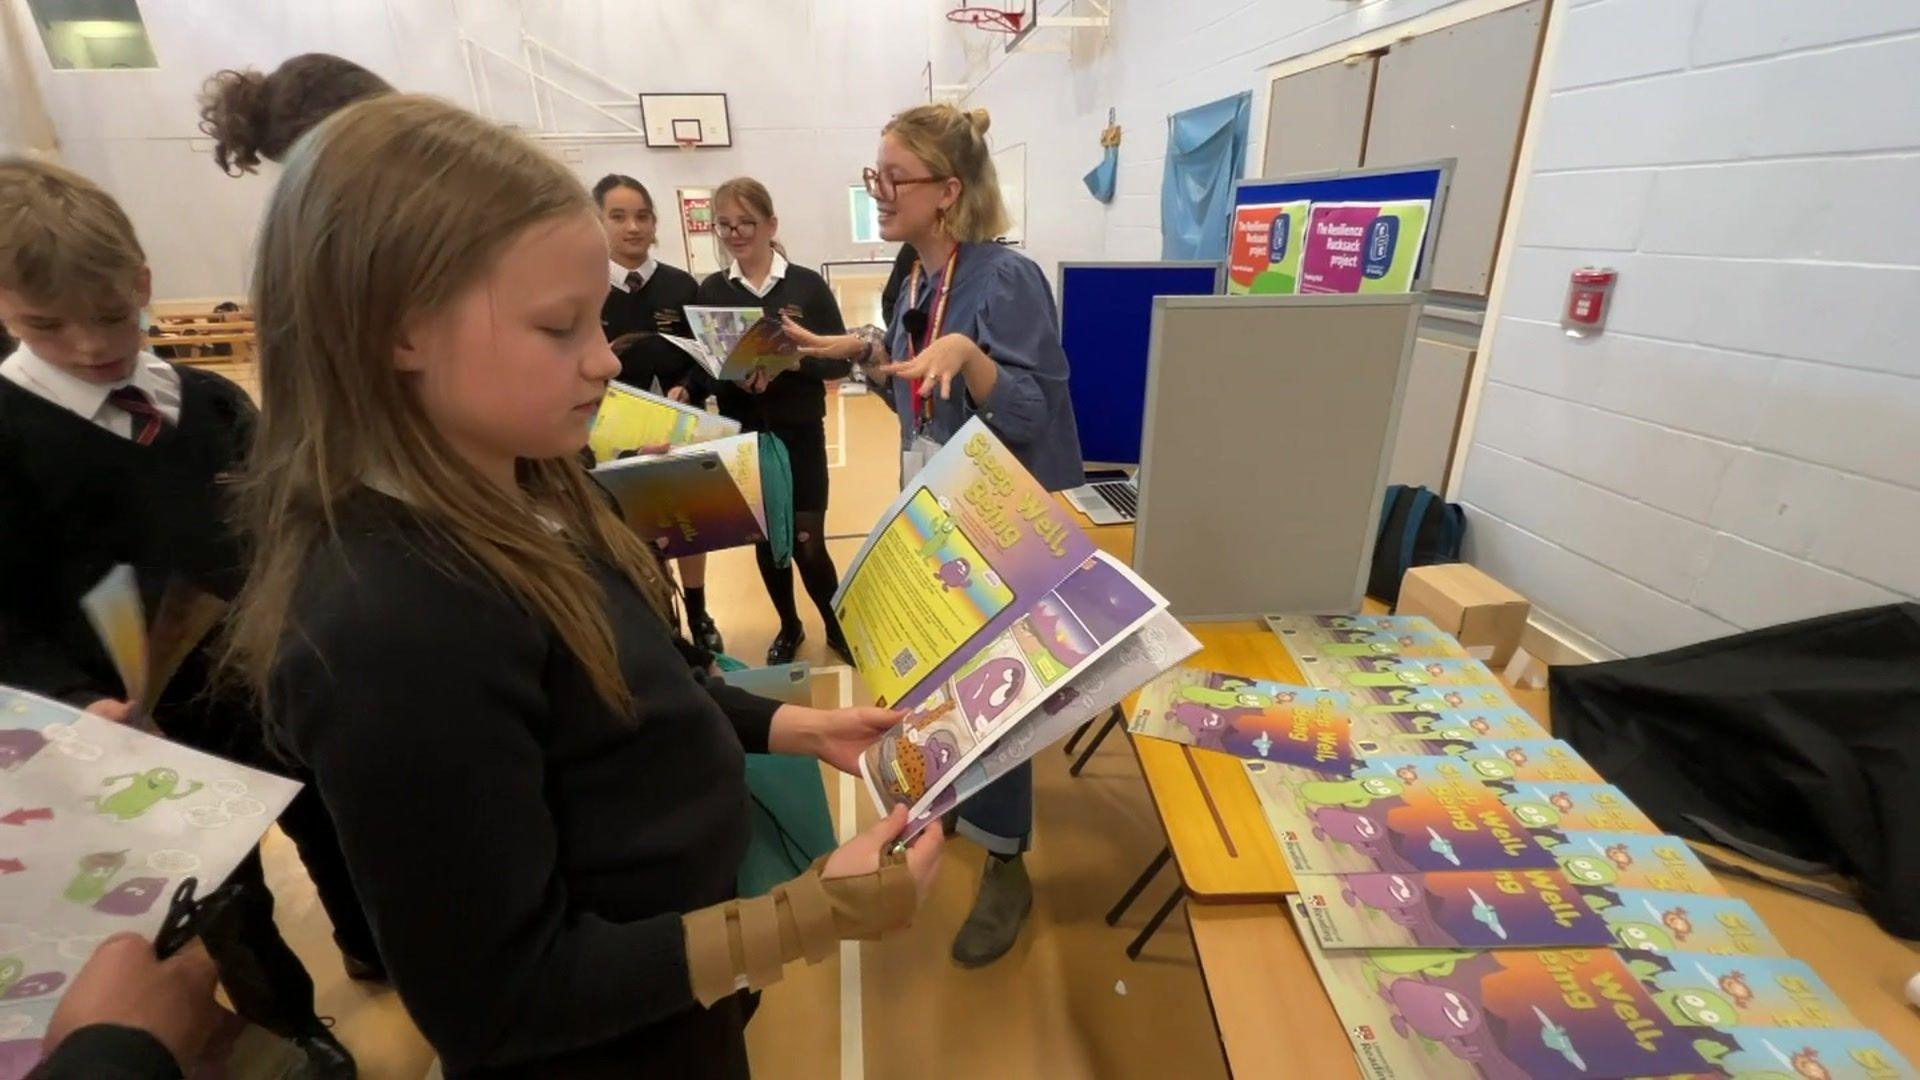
x: 974, y: 333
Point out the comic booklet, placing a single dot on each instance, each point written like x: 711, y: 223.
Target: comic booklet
x: 1573, y: 807
x: 1158, y: 645
x: 630, y: 420
x: 734, y: 342
x: 1630, y: 861
x: 1392, y: 672
x: 1532, y: 760
x: 1437, y: 720
x: 1250, y: 718
x: 1454, y: 1014
x: 695, y: 498
x: 1427, y: 814
x: 1740, y: 991
x: 1309, y: 640
x: 1762, y: 1053
x: 103, y: 822
x: 1403, y: 696
x: 974, y: 600
x: 1523, y: 909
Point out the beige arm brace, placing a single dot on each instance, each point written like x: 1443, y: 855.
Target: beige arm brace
x: 747, y: 944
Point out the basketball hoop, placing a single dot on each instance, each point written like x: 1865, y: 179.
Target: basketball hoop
x: 688, y: 144
x: 991, y: 19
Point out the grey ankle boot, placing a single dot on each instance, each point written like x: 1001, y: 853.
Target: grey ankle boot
x: 994, y: 924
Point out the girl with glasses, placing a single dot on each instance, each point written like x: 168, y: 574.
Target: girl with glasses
x: 974, y: 332
x: 791, y: 405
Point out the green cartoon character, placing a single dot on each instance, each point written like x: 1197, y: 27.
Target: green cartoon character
x: 1433, y: 963
x: 143, y: 792
x: 1387, y: 678
x: 1362, y: 648
x: 1694, y: 1007
x: 1236, y: 695
x: 1535, y: 815
x: 1352, y: 794
x: 1491, y: 768
x: 942, y: 527
x: 10, y: 971
x: 96, y: 870
x: 1644, y: 936
x: 1588, y: 870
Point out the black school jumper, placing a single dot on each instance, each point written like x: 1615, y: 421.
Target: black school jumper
x: 658, y: 307
x: 75, y: 499
x: 524, y: 851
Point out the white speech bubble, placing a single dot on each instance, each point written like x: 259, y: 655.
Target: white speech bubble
x: 173, y: 861
x: 80, y: 946
x: 14, y: 1025
x: 55, y: 732
x: 244, y: 806
x: 228, y: 788
x: 206, y: 817
x: 14, y: 937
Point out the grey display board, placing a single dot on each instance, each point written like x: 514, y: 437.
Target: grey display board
x: 1269, y: 425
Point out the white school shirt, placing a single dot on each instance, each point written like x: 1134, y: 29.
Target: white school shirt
x: 775, y: 271
x: 617, y: 274
x: 151, y: 375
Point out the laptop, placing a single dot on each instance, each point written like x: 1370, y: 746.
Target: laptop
x: 1110, y: 501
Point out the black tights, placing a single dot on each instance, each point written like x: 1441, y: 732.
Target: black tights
x: 816, y: 572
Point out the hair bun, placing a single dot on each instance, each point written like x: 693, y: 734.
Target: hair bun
x: 233, y: 111
x: 979, y: 120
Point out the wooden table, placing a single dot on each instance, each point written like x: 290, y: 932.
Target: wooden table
x: 1273, y: 1017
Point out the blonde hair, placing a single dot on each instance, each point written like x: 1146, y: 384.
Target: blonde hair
x: 392, y: 209
x: 751, y: 194
x: 953, y: 144
x: 62, y: 239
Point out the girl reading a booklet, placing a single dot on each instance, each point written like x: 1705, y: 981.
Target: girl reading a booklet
x: 792, y: 405
x: 544, y: 806
x: 974, y: 332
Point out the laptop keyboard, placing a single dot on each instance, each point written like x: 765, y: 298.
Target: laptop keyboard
x: 1120, y: 495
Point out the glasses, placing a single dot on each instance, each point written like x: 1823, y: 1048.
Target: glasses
x: 882, y: 186
x: 743, y: 230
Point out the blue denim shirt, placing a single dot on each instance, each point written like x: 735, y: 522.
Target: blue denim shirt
x: 1001, y: 301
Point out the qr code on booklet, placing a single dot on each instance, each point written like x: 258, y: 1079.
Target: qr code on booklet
x: 905, y: 662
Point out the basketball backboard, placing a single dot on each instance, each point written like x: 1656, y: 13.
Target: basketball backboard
x: 697, y: 120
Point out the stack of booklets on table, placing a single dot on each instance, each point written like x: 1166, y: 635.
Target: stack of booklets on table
x: 977, y: 606
x: 1477, y: 900
x: 701, y: 494
x: 732, y: 343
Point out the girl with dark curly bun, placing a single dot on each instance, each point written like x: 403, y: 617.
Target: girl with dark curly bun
x: 251, y: 116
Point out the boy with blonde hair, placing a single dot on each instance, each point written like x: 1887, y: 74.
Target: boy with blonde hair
x: 111, y: 455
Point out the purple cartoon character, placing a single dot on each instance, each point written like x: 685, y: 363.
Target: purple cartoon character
x: 1208, y: 727
x: 33, y: 986
x: 986, y: 691
x: 1401, y: 898
x: 1435, y: 1012
x: 134, y: 896
x: 17, y: 745
x: 955, y: 573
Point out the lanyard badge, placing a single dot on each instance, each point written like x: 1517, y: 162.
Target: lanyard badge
x: 923, y: 406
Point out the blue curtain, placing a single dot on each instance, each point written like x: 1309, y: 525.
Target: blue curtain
x: 1206, y: 152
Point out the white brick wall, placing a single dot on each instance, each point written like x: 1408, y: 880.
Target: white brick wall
x: 1742, y: 447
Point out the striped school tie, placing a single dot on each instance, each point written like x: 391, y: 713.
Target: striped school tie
x: 634, y: 281
x: 148, y: 420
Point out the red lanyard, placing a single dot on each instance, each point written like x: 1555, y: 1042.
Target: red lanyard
x: 923, y: 406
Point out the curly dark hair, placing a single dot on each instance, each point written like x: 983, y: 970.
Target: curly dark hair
x: 253, y: 116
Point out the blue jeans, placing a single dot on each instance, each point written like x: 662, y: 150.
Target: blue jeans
x: 1000, y: 817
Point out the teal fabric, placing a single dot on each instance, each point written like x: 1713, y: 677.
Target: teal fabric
x: 776, y: 495
x: 1100, y: 182
x: 791, y: 824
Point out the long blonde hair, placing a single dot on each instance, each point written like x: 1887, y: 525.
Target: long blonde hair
x: 392, y: 209
x: 953, y: 145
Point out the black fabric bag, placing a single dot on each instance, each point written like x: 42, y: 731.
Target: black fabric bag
x: 1417, y: 528
x: 1797, y: 745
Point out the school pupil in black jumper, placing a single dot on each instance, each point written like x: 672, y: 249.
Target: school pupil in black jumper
x: 111, y: 455
x: 645, y: 299
x: 792, y: 405
x: 544, y: 805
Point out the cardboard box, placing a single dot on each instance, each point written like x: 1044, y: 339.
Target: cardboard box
x: 1468, y: 604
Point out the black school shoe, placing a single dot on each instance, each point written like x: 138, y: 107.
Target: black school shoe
x: 706, y: 634
x: 326, y: 1058
x: 785, y: 645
